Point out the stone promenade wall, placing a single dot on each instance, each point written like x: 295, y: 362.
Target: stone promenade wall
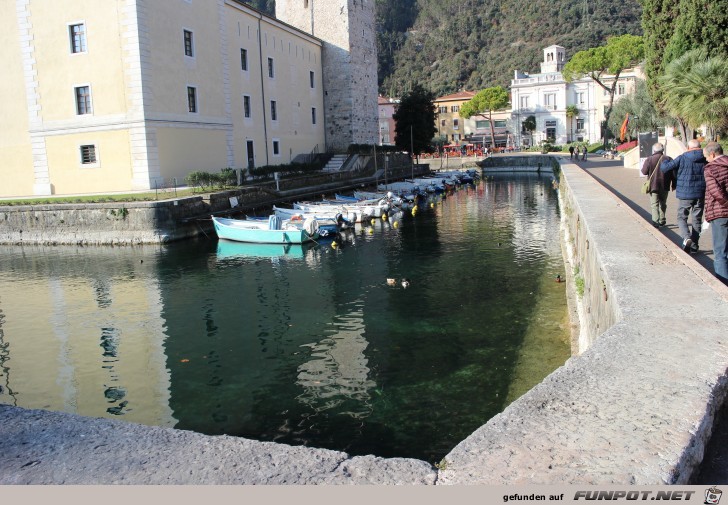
x: 638, y: 404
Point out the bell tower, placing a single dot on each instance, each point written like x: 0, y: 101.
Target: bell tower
x: 554, y: 59
x: 349, y: 61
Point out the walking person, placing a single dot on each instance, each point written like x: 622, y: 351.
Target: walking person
x: 690, y: 193
x: 571, y: 152
x: 660, y: 183
x: 716, y: 206
x: 583, y: 152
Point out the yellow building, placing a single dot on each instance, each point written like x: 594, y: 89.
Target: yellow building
x: 447, y: 116
x: 126, y: 95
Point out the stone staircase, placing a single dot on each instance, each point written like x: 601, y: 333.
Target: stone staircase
x: 335, y: 163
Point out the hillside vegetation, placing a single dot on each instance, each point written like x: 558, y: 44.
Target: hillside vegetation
x: 449, y: 45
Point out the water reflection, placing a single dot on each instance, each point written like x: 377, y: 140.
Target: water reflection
x: 83, y: 332
x: 338, y: 369
x: 302, y: 345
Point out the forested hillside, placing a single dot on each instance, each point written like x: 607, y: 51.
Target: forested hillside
x: 448, y: 45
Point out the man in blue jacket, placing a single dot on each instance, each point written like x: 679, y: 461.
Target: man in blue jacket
x: 690, y: 193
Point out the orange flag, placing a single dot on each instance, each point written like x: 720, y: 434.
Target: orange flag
x: 623, y: 130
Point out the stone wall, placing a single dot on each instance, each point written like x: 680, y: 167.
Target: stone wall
x: 527, y: 163
x: 100, y: 223
x: 637, y: 405
x: 349, y: 60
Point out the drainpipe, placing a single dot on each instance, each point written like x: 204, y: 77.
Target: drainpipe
x: 262, y: 89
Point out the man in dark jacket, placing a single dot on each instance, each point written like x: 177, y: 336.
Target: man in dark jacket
x: 690, y: 193
x: 660, y: 184
x: 716, y: 206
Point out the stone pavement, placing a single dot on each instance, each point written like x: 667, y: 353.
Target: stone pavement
x: 625, y: 183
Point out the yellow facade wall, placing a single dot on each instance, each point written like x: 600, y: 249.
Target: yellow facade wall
x: 59, y: 70
x: 16, y: 160
x: 294, y: 57
x: 185, y: 150
x: 111, y: 173
x: 173, y: 71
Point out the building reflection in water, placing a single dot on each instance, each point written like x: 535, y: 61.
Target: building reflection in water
x: 104, y: 310
x: 338, y: 369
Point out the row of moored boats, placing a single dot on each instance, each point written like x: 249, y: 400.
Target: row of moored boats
x: 307, y: 221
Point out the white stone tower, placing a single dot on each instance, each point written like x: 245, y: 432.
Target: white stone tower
x: 554, y: 59
x: 347, y: 28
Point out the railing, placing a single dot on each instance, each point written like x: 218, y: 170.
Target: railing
x: 310, y: 157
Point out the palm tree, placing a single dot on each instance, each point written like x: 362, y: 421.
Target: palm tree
x: 696, y: 91
x: 572, y: 111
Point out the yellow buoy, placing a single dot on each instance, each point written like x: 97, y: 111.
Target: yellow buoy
x: 384, y: 216
x: 396, y: 224
x: 373, y: 221
x: 371, y: 231
x: 432, y: 205
x: 334, y: 245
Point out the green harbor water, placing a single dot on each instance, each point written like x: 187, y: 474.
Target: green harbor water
x: 301, y: 345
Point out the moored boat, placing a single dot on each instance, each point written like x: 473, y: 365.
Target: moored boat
x: 272, y: 231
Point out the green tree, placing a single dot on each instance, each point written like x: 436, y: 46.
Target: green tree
x: 529, y: 125
x: 572, y: 111
x: 643, y: 112
x: 673, y: 27
x: 696, y: 91
x: 415, y: 121
x: 604, y: 65
x: 266, y: 6
x: 486, y: 100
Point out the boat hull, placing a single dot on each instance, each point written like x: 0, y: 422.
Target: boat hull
x: 256, y: 232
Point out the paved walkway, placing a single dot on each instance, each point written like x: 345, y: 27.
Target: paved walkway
x: 625, y: 183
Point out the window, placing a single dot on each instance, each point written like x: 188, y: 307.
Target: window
x: 77, y: 34
x: 499, y: 123
x: 88, y: 155
x: 313, y: 115
x: 524, y: 102
x: 550, y: 100
x: 312, y: 79
x: 455, y: 124
x: 83, y: 100
x: 579, y: 124
x: 550, y: 124
x: 189, y: 48
x: 271, y: 68
x: 276, y: 148
x: 192, y: 99
x: 443, y: 110
x: 455, y: 108
x: 244, y: 59
x: 621, y: 89
x: 273, y: 111
x: 246, y: 105
x: 443, y: 122
x: 481, y: 125
x: 580, y: 97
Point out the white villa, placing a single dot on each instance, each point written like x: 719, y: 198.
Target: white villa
x: 546, y: 96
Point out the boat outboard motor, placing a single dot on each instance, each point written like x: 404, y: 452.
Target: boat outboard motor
x: 274, y: 222
x: 311, y: 226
